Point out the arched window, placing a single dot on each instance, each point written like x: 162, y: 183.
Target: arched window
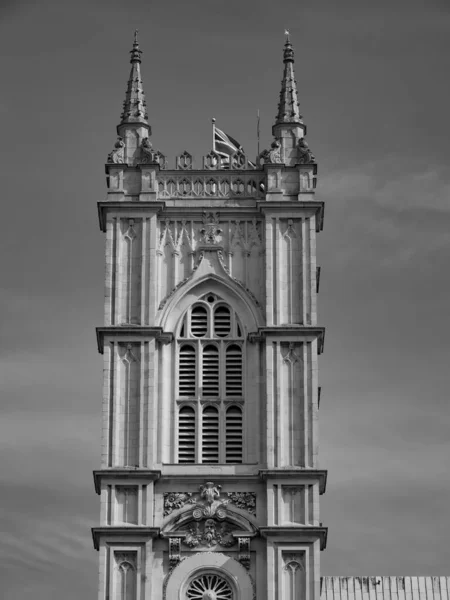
x: 210, y: 378
x: 209, y: 586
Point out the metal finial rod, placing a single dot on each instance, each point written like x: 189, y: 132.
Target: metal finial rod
x: 136, y: 31
x: 286, y: 33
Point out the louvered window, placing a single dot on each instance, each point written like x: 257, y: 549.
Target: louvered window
x: 186, y: 373
x: 199, y: 321
x: 233, y: 370
x: 233, y: 435
x: 210, y: 373
x: 210, y: 435
x: 186, y: 435
x: 222, y: 321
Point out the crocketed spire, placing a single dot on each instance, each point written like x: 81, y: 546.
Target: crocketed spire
x: 134, y: 106
x: 288, y: 107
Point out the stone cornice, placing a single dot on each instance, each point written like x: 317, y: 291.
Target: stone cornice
x: 126, y: 206
x: 303, y: 475
x: 292, y: 206
x: 247, y: 210
x: 131, y: 333
x: 128, y: 531
x: 297, y: 532
x: 121, y: 475
x: 290, y: 333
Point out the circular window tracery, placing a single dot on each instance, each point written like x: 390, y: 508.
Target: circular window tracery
x: 209, y: 587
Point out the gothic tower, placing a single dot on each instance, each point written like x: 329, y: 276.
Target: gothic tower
x: 209, y: 478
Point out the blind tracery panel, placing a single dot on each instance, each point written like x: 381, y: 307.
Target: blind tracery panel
x: 210, y: 370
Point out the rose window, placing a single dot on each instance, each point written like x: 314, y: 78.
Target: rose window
x: 209, y: 587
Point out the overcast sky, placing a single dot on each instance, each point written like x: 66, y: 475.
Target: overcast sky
x: 373, y: 81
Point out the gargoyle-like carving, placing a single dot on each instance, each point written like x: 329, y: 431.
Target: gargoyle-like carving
x: 244, y: 500
x: 117, y: 154
x: 175, y: 500
x: 147, y: 152
x: 209, y: 534
x: 273, y: 155
x: 149, y: 155
x: 305, y: 156
x: 211, y: 229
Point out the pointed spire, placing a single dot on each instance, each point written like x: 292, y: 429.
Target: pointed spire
x: 288, y: 107
x: 134, y: 107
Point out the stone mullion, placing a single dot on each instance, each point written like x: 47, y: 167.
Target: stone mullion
x: 305, y: 365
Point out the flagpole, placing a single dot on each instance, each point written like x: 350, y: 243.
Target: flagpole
x: 213, y: 121
x: 257, y: 136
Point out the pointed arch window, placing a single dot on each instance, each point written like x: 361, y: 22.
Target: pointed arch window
x: 210, y: 383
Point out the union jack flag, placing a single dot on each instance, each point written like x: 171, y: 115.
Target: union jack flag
x: 225, y: 145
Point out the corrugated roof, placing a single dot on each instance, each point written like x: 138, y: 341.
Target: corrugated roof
x: 385, y: 588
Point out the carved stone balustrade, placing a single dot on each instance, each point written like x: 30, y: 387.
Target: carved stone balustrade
x: 220, y: 185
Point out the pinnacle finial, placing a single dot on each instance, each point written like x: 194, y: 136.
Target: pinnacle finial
x: 134, y: 107
x: 136, y: 51
x: 288, y: 107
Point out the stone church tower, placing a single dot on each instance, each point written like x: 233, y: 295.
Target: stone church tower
x: 209, y: 478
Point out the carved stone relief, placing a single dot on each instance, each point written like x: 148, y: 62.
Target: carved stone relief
x: 209, y: 502
x: 211, y: 230
x: 175, y: 500
x: 209, y: 534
